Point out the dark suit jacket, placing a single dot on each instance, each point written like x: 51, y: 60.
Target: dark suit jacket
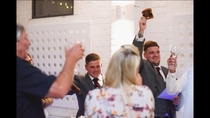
x: 151, y: 78
x: 85, y: 83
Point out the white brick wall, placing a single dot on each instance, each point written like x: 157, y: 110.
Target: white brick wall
x: 101, y: 15
x: 160, y: 28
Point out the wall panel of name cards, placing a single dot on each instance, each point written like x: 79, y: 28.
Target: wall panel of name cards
x: 183, y: 37
x: 48, y: 54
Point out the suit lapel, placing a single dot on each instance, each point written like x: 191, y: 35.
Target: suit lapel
x: 165, y: 71
x: 159, y: 79
x: 89, y: 81
x: 156, y: 73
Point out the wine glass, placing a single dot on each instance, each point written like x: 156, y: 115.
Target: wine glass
x: 174, y: 50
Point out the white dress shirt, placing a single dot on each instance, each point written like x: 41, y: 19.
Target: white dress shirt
x: 139, y: 39
x: 183, y: 84
x: 176, y: 85
x: 100, y: 79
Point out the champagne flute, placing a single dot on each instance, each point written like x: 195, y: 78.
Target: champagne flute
x: 174, y: 50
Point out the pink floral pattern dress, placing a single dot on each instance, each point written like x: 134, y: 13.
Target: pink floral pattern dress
x: 108, y: 102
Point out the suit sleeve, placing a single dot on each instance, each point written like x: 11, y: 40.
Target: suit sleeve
x: 76, y: 82
x: 181, y: 102
x: 175, y: 85
x: 139, y: 45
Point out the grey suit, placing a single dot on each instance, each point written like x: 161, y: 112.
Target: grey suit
x: 151, y: 78
x: 85, y: 83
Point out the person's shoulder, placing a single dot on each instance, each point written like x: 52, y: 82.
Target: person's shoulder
x: 104, y: 91
x: 147, y: 64
x: 143, y: 87
x: 18, y: 59
x: 94, y: 92
x: 21, y: 63
x: 79, y: 76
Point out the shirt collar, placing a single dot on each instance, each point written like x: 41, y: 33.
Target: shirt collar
x: 158, y: 66
x: 99, y: 77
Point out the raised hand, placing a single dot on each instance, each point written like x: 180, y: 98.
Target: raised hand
x: 172, y: 63
x: 142, y: 24
x: 75, y: 53
x: 176, y: 100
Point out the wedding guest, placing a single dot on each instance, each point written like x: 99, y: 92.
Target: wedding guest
x: 86, y: 82
x: 46, y: 101
x: 184, y: 84
x: 174, y: 84
x: 153, y: 78
x: 32, y: 84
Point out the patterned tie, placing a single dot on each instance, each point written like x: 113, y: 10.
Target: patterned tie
x: 158, y: 70
x: 95, y: 80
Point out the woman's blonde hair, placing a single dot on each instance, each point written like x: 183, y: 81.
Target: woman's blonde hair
x: 123, y: 66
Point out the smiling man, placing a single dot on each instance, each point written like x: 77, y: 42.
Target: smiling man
x: 153, y: 74
x: 86, y: 82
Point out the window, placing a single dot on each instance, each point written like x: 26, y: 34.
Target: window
x: 52, y: 8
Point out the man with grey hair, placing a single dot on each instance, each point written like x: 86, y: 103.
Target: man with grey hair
x: 32, y: 84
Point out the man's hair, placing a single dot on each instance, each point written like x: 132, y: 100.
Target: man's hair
x: 148, y: 44
x: 92, y: 57
x: 20, y: 29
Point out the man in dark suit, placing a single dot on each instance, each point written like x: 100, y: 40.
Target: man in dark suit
x: 85, y: 82
x: 155, y: 81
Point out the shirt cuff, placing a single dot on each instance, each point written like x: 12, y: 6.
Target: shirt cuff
x: 172, y: 75
x: 139, y: 39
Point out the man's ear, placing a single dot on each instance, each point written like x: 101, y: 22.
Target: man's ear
x: 18, y: 34
x: 17, y: 45
x: 85, y: 66
x: 144, y: 55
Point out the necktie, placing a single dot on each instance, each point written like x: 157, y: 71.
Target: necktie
x: 158, y: 70
x: 95, y: 80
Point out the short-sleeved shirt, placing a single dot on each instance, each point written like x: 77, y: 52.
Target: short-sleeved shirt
x: 108, y: 102
x: 31, y: 86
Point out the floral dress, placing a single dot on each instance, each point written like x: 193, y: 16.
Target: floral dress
x: 108, y: 102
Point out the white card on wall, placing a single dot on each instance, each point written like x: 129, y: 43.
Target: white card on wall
x: 48, y: 42
x: 183, y: 36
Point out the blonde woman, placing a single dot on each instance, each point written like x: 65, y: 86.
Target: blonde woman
x: 122, y: 96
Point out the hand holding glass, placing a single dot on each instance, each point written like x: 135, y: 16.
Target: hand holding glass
x: 174, y: 50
